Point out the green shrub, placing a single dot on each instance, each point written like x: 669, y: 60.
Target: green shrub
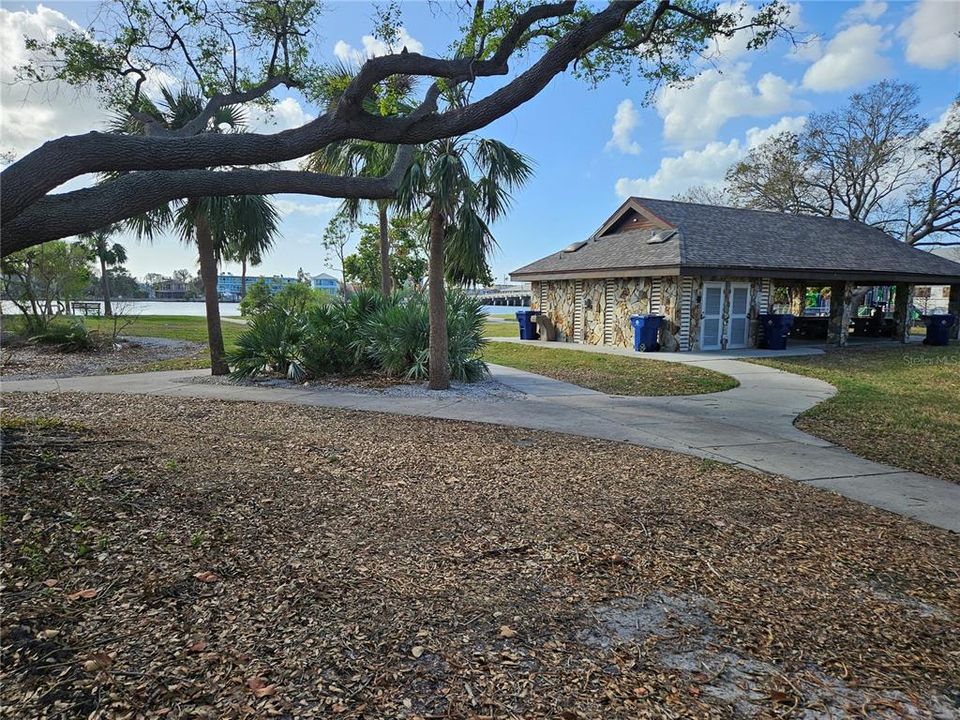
x: 69, y: 336
x: 334, y: 341
x: 398, y: 337
x: 273, y: 345
x: 256, y: 299
x: 366, y: 333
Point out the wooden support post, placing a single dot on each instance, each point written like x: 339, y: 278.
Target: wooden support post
x: 901, y: 312
x: 838, y: 328
x: 953, y: 307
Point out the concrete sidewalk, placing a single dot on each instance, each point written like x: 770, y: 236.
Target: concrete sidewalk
x: 750, y: 426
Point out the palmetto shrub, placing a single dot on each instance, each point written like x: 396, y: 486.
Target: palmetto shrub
x: 69, y: 336
x: 365, y: 334
x: 398, y: 337
x: 273, y: 345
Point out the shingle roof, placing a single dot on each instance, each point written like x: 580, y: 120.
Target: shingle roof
x: 713, y: 237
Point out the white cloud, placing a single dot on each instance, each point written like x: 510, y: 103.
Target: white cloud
x: 693, y: 114
x: 868, y: 11
x: 705, y: 166
x: 851, y: 58
x: 930, y: 34
x: 284, y: 115
x: 314, y: 207
x: 32, y: 114
x: 725, y: 48
x: 625, y: 120
x: 374, y: 47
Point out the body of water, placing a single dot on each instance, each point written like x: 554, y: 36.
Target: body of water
x: 198, y: 309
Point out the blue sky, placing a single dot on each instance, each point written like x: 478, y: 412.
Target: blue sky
x: 591, y: 146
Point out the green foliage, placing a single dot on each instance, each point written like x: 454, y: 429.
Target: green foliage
x: 69, y: 336
x: 272, y: 345
x: 42, y: 280
x: 363, y: 334
x: 257, y: 298
x: 408, y: 259
x: 298, y: 298
x: 398, y: 337
x: 467, y: 181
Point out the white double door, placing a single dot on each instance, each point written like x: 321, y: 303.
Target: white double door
x: 738, y: 315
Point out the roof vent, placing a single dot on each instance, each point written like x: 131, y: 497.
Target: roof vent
x: 661, y: 237
x: 573, y: 247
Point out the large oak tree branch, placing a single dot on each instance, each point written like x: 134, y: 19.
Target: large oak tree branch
x: 58, y: 161
x: 64, y: 214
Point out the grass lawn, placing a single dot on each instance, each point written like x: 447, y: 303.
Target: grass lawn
x: 613, y: 374
x: 175, y: 327
x: 501, y: 329
x: 182, y: 557
x: 897, y: 405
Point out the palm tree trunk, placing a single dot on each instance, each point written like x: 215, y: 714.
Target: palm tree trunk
x: 208, y: 273
x: 439, y: 362
x: 386, y: 281
x: 243, y: 277
x: 105, y: 287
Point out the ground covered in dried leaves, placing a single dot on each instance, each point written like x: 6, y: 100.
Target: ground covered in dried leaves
x: 189, y: 558
x: 25, y: 361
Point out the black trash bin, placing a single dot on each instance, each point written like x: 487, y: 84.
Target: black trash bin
x: 646, y: 331
x: 938, y: 329
x: 775, y: 328
x: 528, y: 328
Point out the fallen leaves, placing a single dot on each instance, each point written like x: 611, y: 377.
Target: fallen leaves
x: 86, y: 594
x: 259, y: 687
x: 372, y: 587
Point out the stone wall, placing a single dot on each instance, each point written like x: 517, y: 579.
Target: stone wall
x: 560, y: 307
x: 631, y: 296
x: 594, y: 307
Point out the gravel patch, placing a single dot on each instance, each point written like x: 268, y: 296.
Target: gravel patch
x: 485, y: 390
x: 22, y: 362
x: 178, y: 557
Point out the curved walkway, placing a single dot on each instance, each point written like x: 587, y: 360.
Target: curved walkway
x: 750, y: 426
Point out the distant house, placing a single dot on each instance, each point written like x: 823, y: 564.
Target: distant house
x: 229, y: 286
x: 710, y: 271
x: 327, y: 283
x: 171, y: 289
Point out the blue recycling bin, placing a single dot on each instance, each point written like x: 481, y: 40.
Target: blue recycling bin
x: 938, y: 329
x: 775, y: 329
x: 528, y: 328
x: 646, y: 330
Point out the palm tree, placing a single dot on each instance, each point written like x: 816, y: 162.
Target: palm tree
x: 108, y: 255
x: 215, y: 224
x: 460, y: 209
x: 361, y: 158
x: 254, y: 234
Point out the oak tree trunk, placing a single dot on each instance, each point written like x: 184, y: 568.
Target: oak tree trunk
x: 208, y: 274
x: 386, y: 281
x: 439, y: 362
x: 105, y: 288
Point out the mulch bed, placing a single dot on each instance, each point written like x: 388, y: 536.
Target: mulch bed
x: 25, y: 361
x: 188, y: 558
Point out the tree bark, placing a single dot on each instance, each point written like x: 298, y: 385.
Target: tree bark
x: 105, y: 288
x: 439, y: 362
x: 386, y: 280
x: 29, y: 179
x: 208, y: 273
x: 243, y: 277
